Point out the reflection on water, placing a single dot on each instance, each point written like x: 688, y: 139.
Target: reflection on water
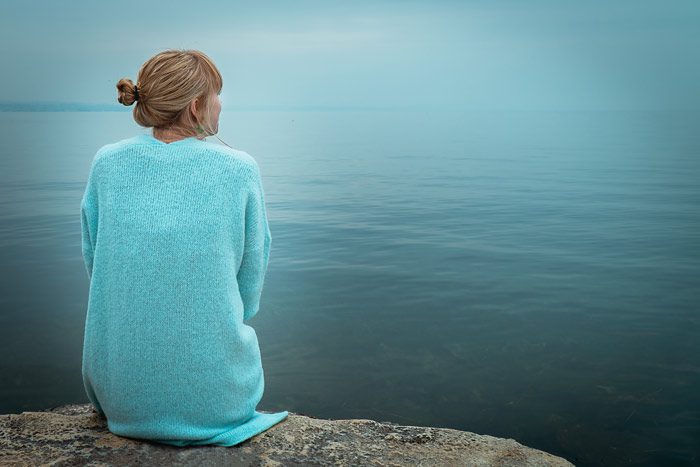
x: 524, y: 275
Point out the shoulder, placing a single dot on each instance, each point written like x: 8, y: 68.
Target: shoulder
x: 236, y: 159
x: 235, y: 155
x: 106, y: 151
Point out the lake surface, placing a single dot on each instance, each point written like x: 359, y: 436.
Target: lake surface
x: 528, y: 275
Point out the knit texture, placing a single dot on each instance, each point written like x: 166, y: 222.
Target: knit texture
x: 176, y: 242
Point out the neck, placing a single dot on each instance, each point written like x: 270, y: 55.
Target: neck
x: 169, y: 135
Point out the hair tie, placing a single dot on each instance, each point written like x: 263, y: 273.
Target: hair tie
x: 136, y: 93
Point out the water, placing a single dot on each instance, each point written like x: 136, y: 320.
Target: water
x: 529, y: 275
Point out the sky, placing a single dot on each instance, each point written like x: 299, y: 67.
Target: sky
x: 529, y: 55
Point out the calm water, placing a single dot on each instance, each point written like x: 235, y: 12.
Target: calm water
x: 530, y: 275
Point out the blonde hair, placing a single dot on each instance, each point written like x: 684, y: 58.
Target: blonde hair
x: 167, y: 83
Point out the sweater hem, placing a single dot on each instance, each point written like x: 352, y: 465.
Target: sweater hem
x: 255, y: 425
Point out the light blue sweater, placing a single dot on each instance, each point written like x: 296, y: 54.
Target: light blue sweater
x: 176, y: 242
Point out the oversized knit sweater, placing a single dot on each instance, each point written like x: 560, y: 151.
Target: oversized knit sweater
x: 175, y: 239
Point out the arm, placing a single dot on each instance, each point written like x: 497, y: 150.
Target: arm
x: 256, y: 250
x: 88, y: 217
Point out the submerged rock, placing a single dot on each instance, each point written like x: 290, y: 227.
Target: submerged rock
x: 76, y: 435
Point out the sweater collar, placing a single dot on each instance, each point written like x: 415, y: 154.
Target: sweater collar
x: 149, y: 138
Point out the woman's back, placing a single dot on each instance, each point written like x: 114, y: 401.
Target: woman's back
x: 176, y: 243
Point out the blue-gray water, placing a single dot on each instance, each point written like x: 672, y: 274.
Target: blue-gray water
x: 531, y: 275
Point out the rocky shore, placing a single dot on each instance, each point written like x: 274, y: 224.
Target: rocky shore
x: 76, y: 435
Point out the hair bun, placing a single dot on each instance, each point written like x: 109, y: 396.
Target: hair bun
x: 126, y: 91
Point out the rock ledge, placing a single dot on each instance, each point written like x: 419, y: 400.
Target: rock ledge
x: 76, y: 435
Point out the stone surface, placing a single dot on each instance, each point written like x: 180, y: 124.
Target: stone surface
x: 76, y: 435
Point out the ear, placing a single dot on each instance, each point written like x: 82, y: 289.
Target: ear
x: 193, y: 108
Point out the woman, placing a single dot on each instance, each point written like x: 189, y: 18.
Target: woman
x: 176, y: 245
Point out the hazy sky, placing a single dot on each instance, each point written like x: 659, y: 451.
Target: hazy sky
x: 521, y: 54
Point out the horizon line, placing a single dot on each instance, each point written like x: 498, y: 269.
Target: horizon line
x: 62, y: 106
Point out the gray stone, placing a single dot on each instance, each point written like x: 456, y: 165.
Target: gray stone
x: 76, y: 435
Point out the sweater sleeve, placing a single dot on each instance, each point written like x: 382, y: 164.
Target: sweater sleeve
x: 88, y: 217
x: 256, y: 250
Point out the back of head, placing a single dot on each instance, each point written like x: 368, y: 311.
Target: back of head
x: 167, y: 83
